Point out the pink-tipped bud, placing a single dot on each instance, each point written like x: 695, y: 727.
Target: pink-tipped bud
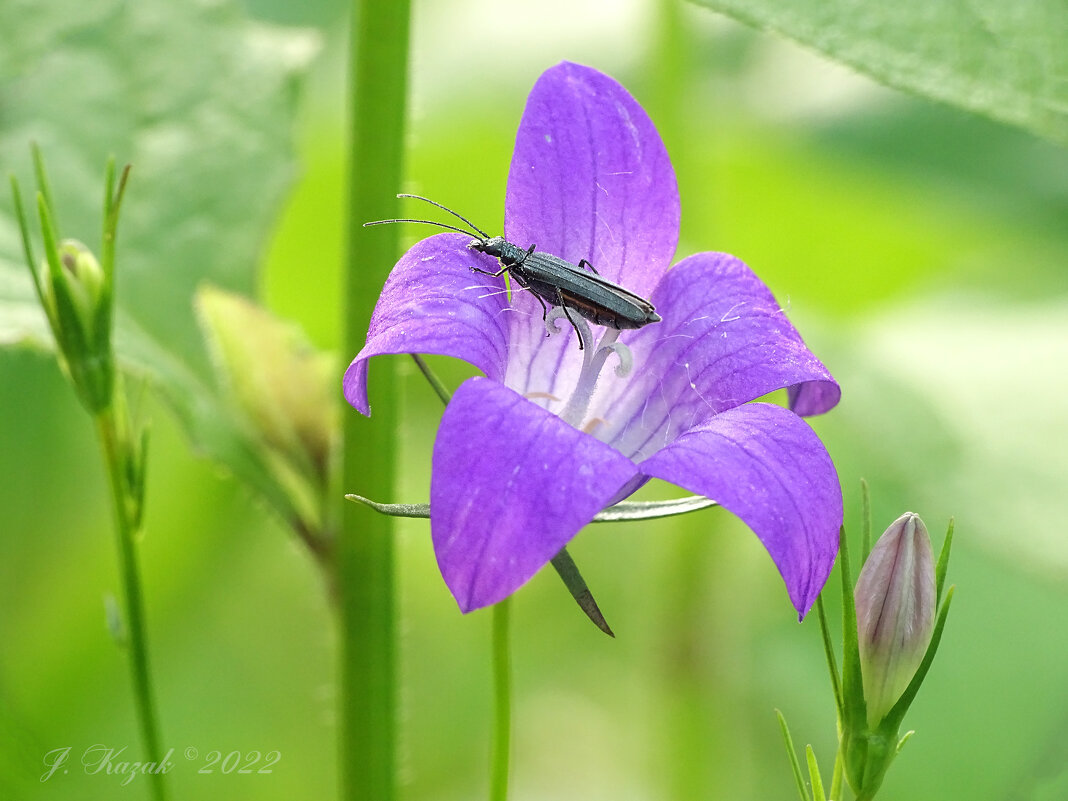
x: 895, y: 602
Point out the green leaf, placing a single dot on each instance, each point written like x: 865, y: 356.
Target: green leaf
x: 200, y: 101
x: 814, y: 774
x: 1003, y: 59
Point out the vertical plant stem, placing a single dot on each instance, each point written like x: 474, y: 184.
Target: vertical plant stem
x: 502, y: 697
x: 364, y: 569
x: 501, y: 748
x: 116, y: 451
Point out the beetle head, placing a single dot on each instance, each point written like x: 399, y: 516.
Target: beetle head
x: 492, y: 246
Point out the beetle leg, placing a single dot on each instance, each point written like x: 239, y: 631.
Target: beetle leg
x: 497, y: 274
x: 544, y: 308
x: 567, y: 314
x: 592, y: 268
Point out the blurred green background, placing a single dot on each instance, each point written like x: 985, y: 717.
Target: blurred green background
x: 922, y: 253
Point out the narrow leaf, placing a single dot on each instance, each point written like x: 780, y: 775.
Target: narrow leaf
x: 27, y: 243
x: 814, y: 774
x: 791, y: 754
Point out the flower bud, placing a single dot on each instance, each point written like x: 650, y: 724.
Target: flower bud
x: 75, y: 297
x: 895, y: 603
x: 279, y: 383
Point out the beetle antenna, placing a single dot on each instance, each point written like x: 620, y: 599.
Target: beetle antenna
x: 446, y: 208
x: 425, y: 222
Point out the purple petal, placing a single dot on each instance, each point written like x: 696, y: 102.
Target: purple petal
x: 590, y: 179
x: 764, y: 464
x: 723, y: 341
x: 511, y: 485
x: 433, y: 303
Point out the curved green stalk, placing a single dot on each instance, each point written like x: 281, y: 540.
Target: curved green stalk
x: 364, y: 567
x: 502, y: 698
x: 117, y: 455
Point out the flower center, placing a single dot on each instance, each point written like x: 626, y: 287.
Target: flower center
x: 593, y: 362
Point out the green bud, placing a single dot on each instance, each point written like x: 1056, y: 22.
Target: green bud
x: 896, y: 606
x: 76, y: 297
x: 84, y: 278
x: 281, y: 386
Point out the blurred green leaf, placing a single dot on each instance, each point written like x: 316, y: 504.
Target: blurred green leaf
x: 1004, y: 60
x: 200, y: 101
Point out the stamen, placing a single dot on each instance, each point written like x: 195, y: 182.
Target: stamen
x: 541, y: 396
x: 593, y: 425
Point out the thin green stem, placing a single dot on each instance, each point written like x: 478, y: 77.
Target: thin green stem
x: 377, y: 94
x: 116, y: 456
x: 432, y: 378
x: 502, y: 698
x: 865, y: 521
x: 828, y: 650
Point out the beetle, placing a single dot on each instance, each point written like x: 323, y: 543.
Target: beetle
x: 551, y: 279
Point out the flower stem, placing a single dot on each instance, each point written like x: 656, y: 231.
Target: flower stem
x: 828, y: 649
x: 432, y: 378
x: 117, y: 456
x: 502, y: 697
x: 500, y: 754
x: 367, y: 696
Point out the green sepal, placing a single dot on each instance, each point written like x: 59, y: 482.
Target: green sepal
x: 621, y: 512
x: 892, y: 721
x: 76, y: 294
x: 576, y: 585
x: 854, y: 708
x: 943, y: 562
x: 564, y: 564
x: 86, y: 357
x: 904, y: 739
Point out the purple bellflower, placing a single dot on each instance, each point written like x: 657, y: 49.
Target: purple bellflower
x: 551, y: 435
